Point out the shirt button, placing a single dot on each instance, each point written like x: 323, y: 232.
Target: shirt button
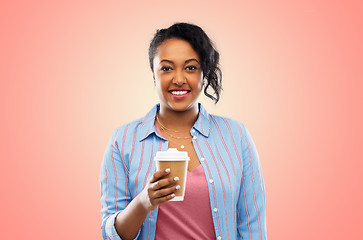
x: 211, y: 180
x: 202, y: 159
x: 219, y: 238
x: 195, y: 137
x: 215, y: 209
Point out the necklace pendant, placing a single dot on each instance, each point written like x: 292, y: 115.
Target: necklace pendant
x: 182, y: 146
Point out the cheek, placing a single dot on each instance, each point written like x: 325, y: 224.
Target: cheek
x: 160, y: 85
x: 199, y: 82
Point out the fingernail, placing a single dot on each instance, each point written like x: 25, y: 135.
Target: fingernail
x: 167, y: 170
x: 176, y: 179
x: 172, y: 195
x: 177, y: 187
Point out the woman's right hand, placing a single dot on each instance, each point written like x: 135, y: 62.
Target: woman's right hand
x: 158, y: 190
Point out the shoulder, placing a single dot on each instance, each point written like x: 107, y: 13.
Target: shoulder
x: 138, y: 126
x: 225, y: 124
x: 126, y: 129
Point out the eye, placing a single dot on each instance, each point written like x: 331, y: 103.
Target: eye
x: 165, y: 69
x: 191, y: 68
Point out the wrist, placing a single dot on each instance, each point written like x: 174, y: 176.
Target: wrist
x: 142, y: 203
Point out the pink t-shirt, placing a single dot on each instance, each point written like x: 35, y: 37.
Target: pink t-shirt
x: 191, y: 218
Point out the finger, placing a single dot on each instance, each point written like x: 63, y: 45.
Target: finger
x: 165, y: 192
x: 161, y: 200
x: 163, y: 183
x: 159, y: 174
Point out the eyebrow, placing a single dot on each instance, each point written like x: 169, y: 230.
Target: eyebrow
x: 187, y: 61
x: 192, y: 59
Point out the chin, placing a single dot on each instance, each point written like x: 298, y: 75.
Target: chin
x: 181, y: 107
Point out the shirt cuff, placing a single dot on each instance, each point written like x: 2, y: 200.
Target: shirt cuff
x: 111, y: 233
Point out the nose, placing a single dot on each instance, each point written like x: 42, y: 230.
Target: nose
x: 179, y: 78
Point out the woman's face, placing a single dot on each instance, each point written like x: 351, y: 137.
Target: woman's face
x: 178, y: 75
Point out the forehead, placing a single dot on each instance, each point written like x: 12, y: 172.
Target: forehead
x: 175, y: 49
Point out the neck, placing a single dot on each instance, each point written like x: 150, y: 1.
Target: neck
x: 179, y: 120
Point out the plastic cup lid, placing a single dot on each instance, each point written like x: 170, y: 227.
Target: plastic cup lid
x: 172, y: 154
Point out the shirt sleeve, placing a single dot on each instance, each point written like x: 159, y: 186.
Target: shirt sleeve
x: 115, y: 194
x: 251, y: 201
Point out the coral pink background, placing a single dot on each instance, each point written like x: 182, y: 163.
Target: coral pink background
x: 72, y: 71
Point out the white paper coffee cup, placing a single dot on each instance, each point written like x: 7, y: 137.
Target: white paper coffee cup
x: 177, y: 161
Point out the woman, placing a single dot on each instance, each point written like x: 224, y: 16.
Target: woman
x: 225, y: 196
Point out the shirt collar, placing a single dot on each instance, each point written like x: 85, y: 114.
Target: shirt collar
x: 148, y: 123
x: 202, y: 123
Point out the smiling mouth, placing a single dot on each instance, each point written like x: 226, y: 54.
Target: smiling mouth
x: 179, y: 93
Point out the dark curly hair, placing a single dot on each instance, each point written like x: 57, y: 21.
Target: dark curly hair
x: 203, y: 46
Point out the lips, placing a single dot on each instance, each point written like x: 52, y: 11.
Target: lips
x: 179, y: 93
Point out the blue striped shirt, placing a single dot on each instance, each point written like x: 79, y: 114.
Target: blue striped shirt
x: 227, y: 154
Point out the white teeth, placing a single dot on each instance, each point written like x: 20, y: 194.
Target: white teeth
x: 179, y: 92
